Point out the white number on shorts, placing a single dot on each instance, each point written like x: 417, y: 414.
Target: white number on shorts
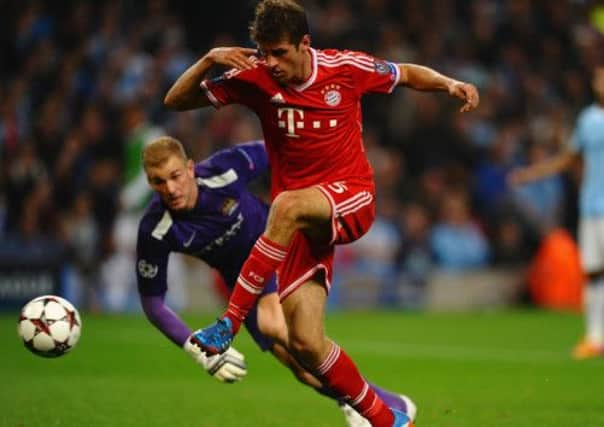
x: 337, y: 187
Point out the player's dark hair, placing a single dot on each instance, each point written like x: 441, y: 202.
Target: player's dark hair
x: 278, y: 20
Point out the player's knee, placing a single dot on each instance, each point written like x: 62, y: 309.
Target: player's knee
x: 287, y: 209
x: 305, y: 348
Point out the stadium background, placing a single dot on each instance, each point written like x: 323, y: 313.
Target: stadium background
x: 81, y: 89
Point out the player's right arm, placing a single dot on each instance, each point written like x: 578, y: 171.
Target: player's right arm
x: 186, y: 94
x: 551, y: 166
x: 568, y: 155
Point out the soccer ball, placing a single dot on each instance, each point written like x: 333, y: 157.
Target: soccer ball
x: 49, y: 326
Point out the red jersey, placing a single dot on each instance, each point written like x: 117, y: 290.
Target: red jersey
x: 313, y: 131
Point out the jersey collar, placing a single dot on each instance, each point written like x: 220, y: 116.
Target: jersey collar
x: 313, y: 75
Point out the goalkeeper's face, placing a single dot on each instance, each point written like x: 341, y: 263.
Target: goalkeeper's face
x: 174, y: 181
x: 288, y: 63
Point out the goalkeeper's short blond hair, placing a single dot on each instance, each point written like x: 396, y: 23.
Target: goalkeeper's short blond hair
x: 158, y: 151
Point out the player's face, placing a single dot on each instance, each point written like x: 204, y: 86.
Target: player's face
x: 288, y: 63
x: 174, y: 181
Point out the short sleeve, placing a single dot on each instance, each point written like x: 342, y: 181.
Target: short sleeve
x: 232, y: 87
x: 373, y: 75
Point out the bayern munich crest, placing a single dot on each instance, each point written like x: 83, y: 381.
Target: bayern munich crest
x: 332, y: 95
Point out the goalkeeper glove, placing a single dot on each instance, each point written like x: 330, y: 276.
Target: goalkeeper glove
x: 227, y: 367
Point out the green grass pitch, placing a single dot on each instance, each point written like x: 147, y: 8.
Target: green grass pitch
x: 495, y: 369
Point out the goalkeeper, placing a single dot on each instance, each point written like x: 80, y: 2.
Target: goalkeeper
x: 205, y: 210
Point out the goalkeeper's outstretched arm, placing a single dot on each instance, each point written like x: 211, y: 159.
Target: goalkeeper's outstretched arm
x: 227, y: 367
x: 164, y: 319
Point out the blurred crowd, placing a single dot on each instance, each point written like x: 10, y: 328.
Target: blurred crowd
x: 82, y: 85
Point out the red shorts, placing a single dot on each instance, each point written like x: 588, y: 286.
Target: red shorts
x: 352, y: 213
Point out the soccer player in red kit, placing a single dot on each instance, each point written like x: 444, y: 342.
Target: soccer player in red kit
x: 308, y: 103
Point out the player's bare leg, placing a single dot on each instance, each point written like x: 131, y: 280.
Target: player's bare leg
x: 304, y: 313
x: 309, y: 211
x: 305, y: 210
x: 271, y: 322
x: 291, y: 211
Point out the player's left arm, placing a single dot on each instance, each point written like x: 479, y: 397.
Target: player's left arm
x: 248, y: 159
x: 227, y: 367
x: 151, y: 268
x: 164, y: 319
x: 255, y: 158
x: 424, y: 78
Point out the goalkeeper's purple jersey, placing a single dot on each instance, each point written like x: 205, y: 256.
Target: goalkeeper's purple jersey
x: 220, y: 230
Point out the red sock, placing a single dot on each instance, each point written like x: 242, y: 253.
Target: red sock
x: 340, y: 374
x: 259, y: 267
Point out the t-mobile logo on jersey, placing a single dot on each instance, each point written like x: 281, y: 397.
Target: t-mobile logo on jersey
x: 292, y: 119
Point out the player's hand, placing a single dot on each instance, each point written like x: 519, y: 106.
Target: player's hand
x: 234, y: 57
x: 228, y: 367
x: 466, y: 92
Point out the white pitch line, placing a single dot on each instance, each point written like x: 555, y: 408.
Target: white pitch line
x: 447, y: 352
